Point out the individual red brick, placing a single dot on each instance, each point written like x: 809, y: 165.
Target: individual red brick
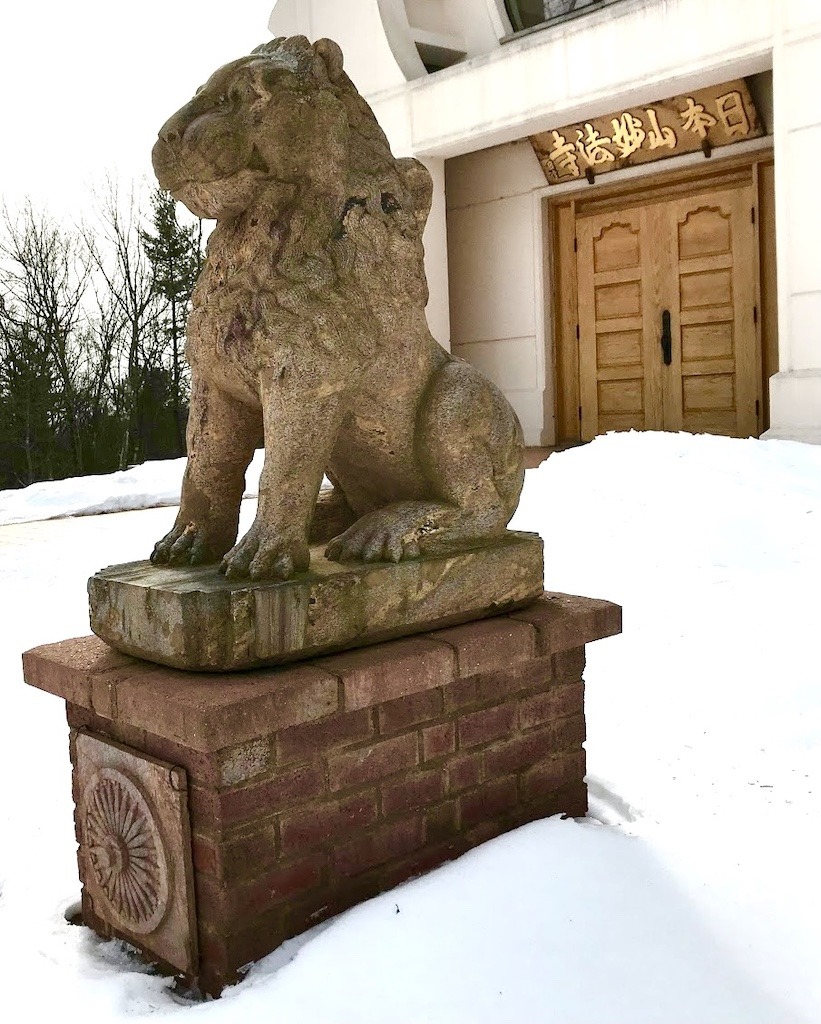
x: 374, y: 762
x: 204, y: 810
x: 492, y: 687
x: 414, y: 790
x: 206, y: 856
x: 294, y: 786
x: 234, y: 950
x: 419, y: 863
x: 261, y: 936
x: 564, y: 621
x: 209, y: 712
x: 523, y: 751
x: 533, y: 675
x: 569, y: 732
x: 485, y: 726
x: 380, y: 845
x: 212, y: 980
x: 490, y: 645
x: 497, y: 687
x: 485, y: 831
x: 391, y: 670
x: 68, y: 668
x: 79, y: 717
x: 553, y: 773
x: 442, y: 822
x: 438, y: 741
x: 557, y: 702
x: 569, y: 799
x: 398, y: 715
x: 247, y: 855
x: 569, y: 665
x: 244, y: 761
x: 346, y: 892
x: 202, y: 768
x: 275, y: 886
x: 213, y: 902
x: 213, y: 962
x: 304, y: 912
x: 463, y: 772
x: 304, y: 742
x: 489, y: 801
x: 466, y: 692
x: 326, y: 822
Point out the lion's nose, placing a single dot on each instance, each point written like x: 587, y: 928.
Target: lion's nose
x: 169, y: 135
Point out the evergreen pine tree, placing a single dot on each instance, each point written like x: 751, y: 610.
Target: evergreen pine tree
x: 175, y: 252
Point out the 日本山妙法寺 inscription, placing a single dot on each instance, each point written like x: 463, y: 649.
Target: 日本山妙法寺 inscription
x: 716, y: 116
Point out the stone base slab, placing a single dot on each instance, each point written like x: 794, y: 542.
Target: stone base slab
x: 193, y: 618
x: 315, y: 786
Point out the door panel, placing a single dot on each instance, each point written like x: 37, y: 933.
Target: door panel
x: 689, y: 262
x: 712, y: 235
x: 615, y: 393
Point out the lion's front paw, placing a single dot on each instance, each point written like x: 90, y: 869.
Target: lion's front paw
x: 265, y: 554
x: 185, y: 544
x: 387, y: 535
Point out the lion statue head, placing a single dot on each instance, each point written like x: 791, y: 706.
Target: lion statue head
x: 249, y: 129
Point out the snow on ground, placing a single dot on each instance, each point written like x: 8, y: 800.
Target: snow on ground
x: 690, y: 894
x: 145, y: 486
x: 151, y: 485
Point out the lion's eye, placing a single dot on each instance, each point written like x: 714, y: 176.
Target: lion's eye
x: 222, y: 100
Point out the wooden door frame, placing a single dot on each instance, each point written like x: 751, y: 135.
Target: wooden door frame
x: 561, y: 233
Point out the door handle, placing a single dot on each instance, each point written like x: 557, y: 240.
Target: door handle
x: 666, y: 338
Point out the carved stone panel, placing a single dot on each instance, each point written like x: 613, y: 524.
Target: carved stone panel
x: 135, y: 847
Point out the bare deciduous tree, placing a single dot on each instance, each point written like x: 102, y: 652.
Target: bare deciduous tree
x: 44, y: 276
x: 91, y: 328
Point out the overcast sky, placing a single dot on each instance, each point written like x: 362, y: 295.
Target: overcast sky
x: 86, y: 84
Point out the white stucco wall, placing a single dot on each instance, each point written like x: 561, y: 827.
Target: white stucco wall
x: 795, y: 391
x: 493, y: 241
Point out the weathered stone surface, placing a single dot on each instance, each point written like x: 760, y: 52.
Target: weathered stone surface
x: 308, y: 330
x: 196, y: 619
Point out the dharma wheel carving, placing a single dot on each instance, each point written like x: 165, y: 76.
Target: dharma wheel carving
x: 126, y: 854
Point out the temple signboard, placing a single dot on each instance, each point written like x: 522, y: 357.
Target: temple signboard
x: 704, y: 119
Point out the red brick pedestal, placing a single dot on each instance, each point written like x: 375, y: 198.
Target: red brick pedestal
x: 309, y: 788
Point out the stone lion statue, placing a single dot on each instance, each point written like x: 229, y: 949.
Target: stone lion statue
x: 308, y: 334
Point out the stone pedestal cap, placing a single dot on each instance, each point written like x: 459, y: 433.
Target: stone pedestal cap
x: 195, y: 619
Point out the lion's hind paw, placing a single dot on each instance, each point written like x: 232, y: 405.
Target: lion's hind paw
x: 381, y: 536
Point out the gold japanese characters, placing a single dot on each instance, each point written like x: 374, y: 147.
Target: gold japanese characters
x: 709, y: 117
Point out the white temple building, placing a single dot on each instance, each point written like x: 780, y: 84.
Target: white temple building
x: 624, y: 231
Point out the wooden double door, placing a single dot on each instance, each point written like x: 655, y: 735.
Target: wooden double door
x: 667, y: 320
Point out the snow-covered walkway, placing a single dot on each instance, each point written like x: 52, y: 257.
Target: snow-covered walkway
x: 691, y: 893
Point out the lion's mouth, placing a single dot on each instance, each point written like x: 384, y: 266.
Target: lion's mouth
x: 166, y: 167
x: 174, y: 177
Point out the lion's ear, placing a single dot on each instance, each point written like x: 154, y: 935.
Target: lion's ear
x: 331, y: 56
x: 420, y: 185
